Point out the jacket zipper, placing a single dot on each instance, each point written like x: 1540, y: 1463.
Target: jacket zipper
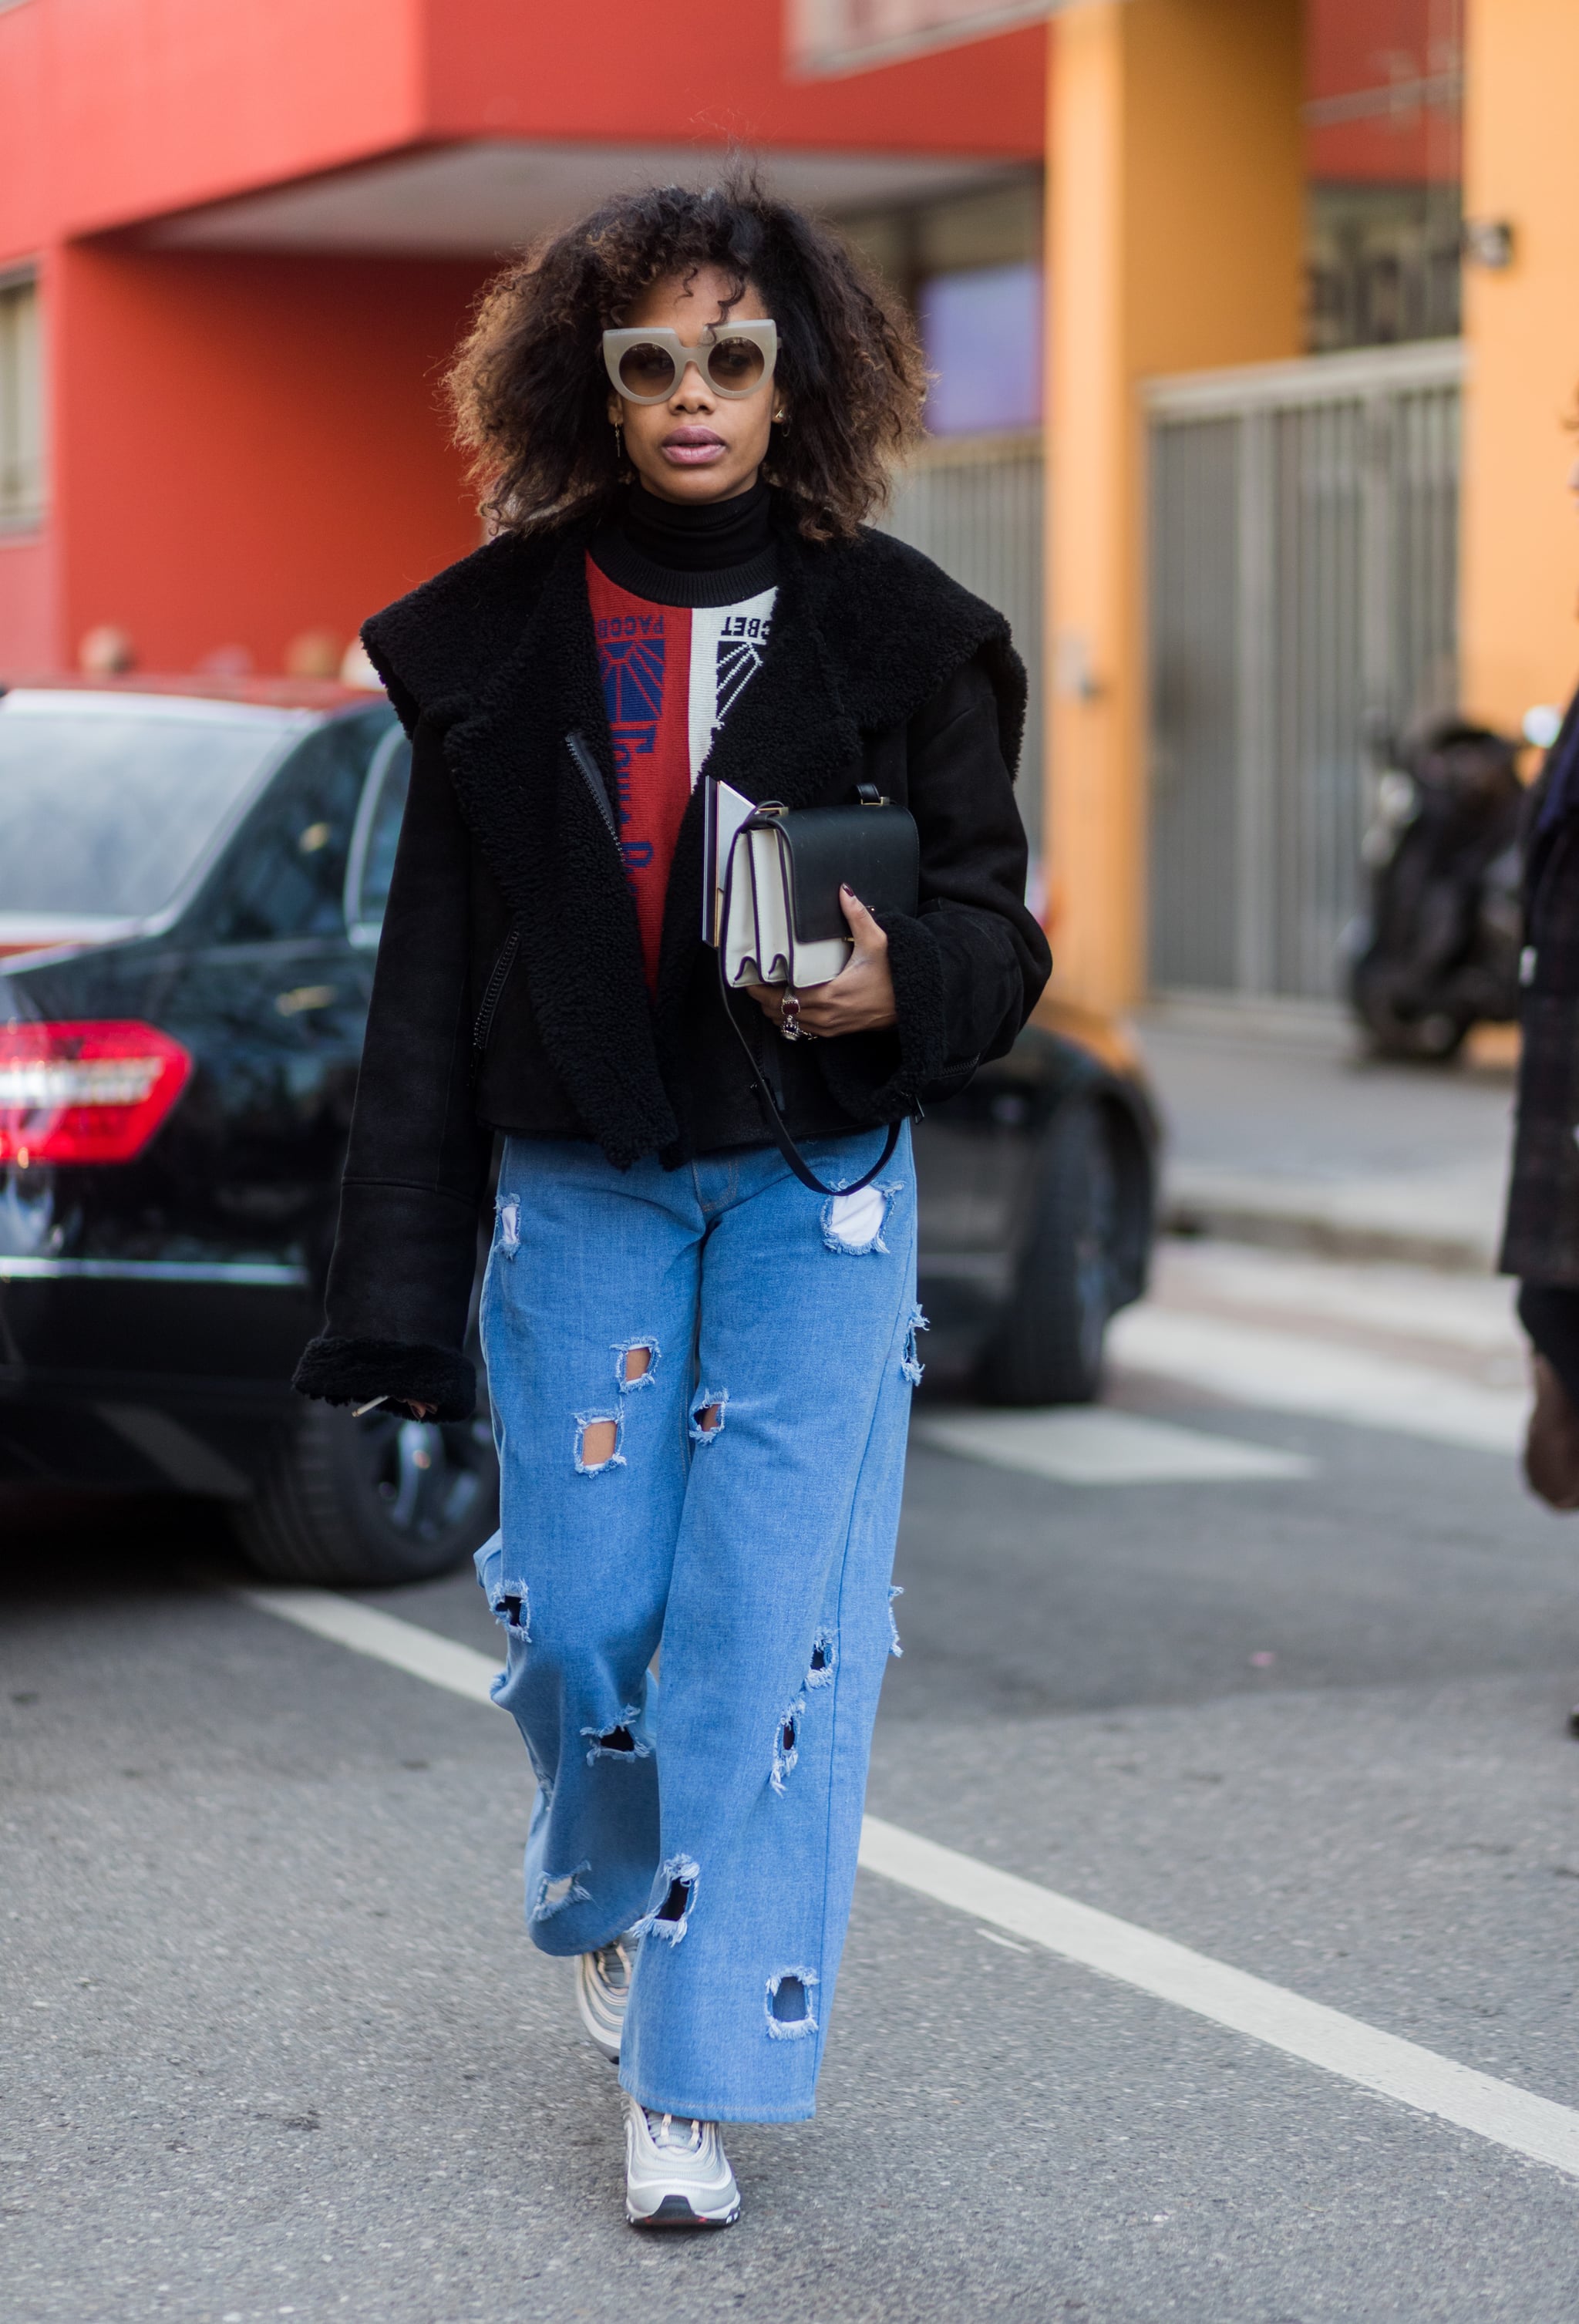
x: 586, y: 766
x: 498, y: 977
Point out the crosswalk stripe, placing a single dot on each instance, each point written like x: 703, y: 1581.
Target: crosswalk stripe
x: 1345, y: 2046
x: 1287, y: 1371
x: 1092, y: 1444
x: 406, y: 1645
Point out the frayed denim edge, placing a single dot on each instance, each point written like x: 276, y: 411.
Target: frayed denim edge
x: 793, y: 2029
x: 839, y: 1244
x: 546, y: 1908
x: 828, y: 1644
x: 599, y: 1749
x: 784, y: 1760
x: 704, y: 1402
x: 617, y: 1459
x: 682, y: 1868
x: 622, y: 1348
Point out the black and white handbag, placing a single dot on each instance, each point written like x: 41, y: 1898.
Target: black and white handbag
x: 772, y: 908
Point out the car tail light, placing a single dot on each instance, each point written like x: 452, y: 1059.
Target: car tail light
x: 90, y: 1091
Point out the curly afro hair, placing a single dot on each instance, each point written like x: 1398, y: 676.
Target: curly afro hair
x: 531, y: 395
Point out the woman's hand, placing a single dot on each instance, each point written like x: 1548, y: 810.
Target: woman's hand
x: 859, y: 1000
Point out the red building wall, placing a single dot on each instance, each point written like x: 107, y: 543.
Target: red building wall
x: 250, y: 447
x: 243, y: 447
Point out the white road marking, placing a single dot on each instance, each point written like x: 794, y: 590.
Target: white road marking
x: 1284, y: 1372
x: 1090, y: 1445
x: 1472, y: 1311
x: 1285, y: 2021
x: 1356, y: 2053
x: 405, y: 1644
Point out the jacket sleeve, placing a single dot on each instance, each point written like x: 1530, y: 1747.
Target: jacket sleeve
x: 400, y: 1276
x: 969, y: 965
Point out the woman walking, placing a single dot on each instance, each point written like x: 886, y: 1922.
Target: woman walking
x: 700, y: 1369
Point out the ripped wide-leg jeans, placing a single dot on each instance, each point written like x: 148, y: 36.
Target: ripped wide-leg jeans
x: 749, y: 1346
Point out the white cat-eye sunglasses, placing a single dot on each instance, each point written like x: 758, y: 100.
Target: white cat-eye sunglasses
x: 647, y: 366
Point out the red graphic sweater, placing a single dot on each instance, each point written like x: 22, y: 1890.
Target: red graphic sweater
x: 670, y: 675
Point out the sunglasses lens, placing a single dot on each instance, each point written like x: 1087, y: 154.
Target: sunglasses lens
x: 736, y: 365
x: 647, y: 369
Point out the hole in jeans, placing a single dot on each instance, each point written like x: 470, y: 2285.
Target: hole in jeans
x: 825, y: 1654
x: 671, y: 1918
x: 707, y: 1416
x: 555, y: 1890
x: 787, y: 1743
x: 854, y: 1223
x: 597, y: 1443
x: 635, y: 1361
x: 791, y: 2011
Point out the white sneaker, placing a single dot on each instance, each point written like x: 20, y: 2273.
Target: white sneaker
x: 676, y: 2173
x: 603, y: 1988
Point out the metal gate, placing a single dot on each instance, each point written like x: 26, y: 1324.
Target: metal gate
x: 973, y: 503
x: 1303, y: 564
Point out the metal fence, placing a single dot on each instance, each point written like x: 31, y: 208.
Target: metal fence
x: 1302, y: 567
x: 973, y: 503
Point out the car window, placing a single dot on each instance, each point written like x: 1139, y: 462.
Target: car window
x: 107, y: 804
x: 376, y: 836
x: 285, y: 876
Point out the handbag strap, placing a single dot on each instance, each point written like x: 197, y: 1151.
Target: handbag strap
x: 776, y: 1128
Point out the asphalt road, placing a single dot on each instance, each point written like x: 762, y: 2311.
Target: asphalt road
x: 276, y: 2044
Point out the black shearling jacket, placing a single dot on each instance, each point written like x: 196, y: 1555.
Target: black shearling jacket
x: 878, y: 667
x: 1540, y: 1239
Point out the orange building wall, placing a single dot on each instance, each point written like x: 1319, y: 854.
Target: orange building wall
x: 1519, y: 641
x: 248, y: 447
x: 1174, y: 240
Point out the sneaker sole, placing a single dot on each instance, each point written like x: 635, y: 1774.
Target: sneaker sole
x: 675, y: 2211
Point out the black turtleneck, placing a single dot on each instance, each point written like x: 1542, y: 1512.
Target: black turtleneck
x: 691, y: 553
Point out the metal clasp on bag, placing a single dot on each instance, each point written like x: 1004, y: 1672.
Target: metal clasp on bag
x: 870, y: 796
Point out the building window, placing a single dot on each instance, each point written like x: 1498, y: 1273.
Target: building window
x: 969, y: 266
x: 982, y: 332
x: 21, y: 450
x: 1384, y: 90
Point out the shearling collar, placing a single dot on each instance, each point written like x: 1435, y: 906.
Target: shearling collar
x: 499, y: 651
x: 893, y: 626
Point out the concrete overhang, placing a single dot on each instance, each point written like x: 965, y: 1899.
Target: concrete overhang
x: 479, y: 198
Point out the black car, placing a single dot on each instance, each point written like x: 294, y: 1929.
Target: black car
x: 192, y: 877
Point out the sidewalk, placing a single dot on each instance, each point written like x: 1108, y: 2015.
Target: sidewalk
x: 1279, y: 1131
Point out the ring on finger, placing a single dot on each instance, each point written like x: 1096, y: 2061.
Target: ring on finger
x: 789, y: 1023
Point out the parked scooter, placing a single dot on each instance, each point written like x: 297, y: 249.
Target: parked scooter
x: 1439, y: 952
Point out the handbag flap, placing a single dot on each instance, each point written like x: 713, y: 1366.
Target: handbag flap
x: 874, y: 850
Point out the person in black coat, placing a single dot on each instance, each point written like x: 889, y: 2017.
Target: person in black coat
x: 1541, y: 1239
x: 684, y: 407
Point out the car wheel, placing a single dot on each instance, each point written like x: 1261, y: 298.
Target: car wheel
x: 1048, y: 1347
x: 354, y: 1503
